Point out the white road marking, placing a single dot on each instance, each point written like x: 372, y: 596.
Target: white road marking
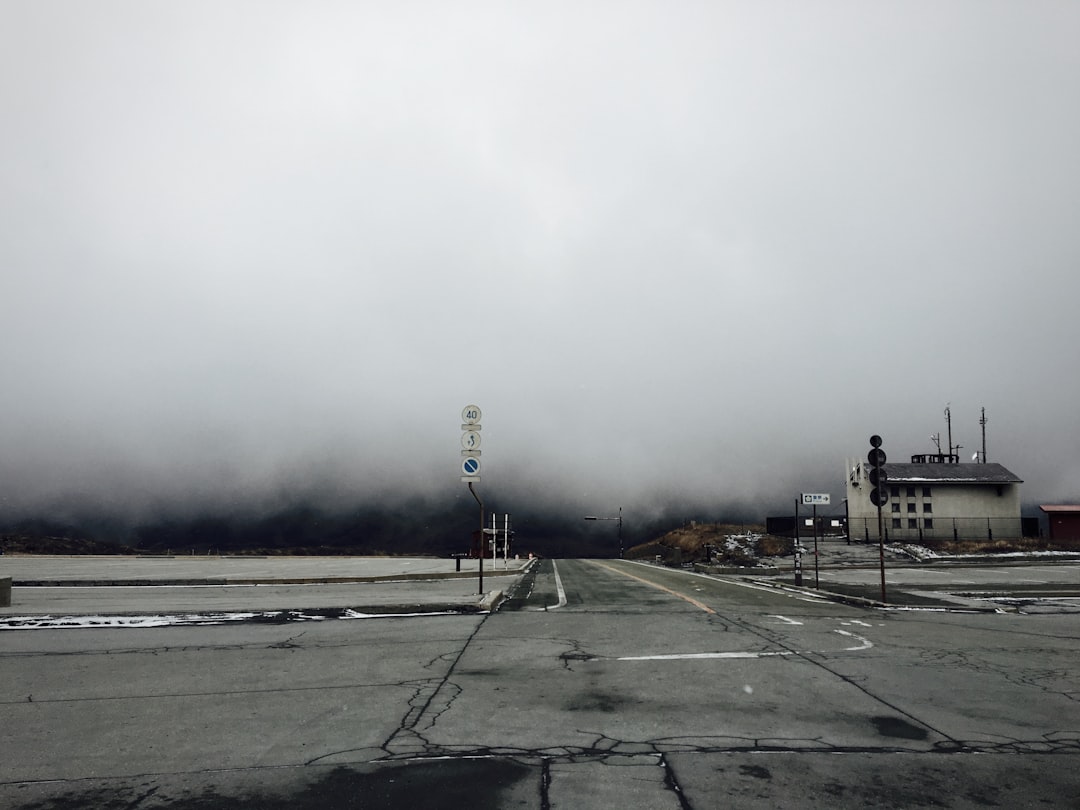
x: 784, y: 619
x: 865, y: 645
x: 688, y: 656
x: 559, y: 588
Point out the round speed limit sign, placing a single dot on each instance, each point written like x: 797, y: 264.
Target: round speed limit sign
x: 470, y: 415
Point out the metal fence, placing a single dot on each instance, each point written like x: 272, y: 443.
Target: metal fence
x: 905, y: 529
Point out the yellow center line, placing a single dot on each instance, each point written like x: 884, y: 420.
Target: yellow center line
x: 683, y: 596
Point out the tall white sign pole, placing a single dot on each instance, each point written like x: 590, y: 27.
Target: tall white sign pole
x: 470, y: 468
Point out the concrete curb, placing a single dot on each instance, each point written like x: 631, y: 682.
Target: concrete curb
x: 131, y: 583
x: 490, y: 601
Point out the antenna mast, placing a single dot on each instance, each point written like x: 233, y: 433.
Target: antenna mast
x: 982, y: 422
x: 948, y: 425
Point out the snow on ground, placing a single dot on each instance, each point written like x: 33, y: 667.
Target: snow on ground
x: 921, y: 553
x: 174, y: 619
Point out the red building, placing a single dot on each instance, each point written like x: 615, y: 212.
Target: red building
x: 1064, y: 522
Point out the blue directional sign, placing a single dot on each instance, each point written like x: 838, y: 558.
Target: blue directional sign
x: 471, y: 466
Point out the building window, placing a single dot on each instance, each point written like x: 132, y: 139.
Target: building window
x: 911, y: 508
x: 927, y: 508
x: 895, y: 492
x: 911, y: 492
x: 912, y: 523
x: 895, y: 506
x: 926, y: 492
x: 896, y: 523
x: 928, y: 523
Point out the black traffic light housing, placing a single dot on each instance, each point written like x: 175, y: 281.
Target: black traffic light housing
x: 879, y: 492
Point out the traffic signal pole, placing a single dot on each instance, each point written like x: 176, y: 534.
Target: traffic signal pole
x: 881, y: 549
x: 879, y: 495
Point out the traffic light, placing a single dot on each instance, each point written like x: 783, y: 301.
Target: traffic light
x: 879, y: 492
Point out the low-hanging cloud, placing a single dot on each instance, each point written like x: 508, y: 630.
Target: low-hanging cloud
x: 264, y: 251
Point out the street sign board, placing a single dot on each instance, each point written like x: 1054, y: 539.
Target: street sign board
x: 470, y: 444
x: 470, y: 440
x: 816, y: 498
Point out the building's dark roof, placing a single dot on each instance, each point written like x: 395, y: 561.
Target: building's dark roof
x: 950, y: 474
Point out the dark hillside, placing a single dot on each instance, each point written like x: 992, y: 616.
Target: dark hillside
x: 726, y: 543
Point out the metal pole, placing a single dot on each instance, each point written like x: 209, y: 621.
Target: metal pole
x: 798, y: 547
x: 620, y: 534
x: 881, y: 550
x: 619, y: 519
x: 506, y: 541
x: 817, y: 579
x: 948, y: 424
x: 480, y: 556
x: 982, y: 422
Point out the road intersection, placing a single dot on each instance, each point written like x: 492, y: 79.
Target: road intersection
x: 597, y: 684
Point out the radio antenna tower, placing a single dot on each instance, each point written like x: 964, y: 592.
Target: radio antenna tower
x: 982, y: 422
x: 948, y: 425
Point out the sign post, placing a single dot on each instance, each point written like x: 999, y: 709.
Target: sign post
x: 470, y: 468
x: 798, y: 547
x: 506, y: 540
x: 814, y: 498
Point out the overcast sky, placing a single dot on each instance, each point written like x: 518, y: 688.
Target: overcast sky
x: 259, y: 250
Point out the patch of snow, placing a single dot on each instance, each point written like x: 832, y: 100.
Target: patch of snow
x: 921, y: 553
x: 164, y: 620
x: 49, y: 622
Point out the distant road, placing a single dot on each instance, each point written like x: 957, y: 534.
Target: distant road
x: 599, y: 684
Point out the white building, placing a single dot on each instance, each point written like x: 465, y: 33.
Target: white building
x: 936, y: 497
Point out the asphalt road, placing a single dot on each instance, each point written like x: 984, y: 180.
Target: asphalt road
x: 599, y: 684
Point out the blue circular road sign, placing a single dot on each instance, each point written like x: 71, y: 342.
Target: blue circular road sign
x: 471, y: 466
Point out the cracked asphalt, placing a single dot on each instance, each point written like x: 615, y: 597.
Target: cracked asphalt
x: 595, y: 685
